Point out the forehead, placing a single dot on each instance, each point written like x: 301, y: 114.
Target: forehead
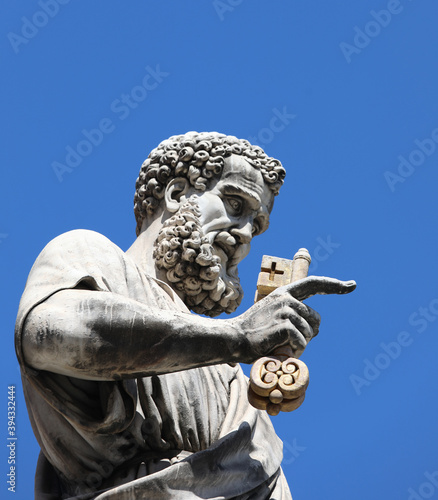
x: 241, y: 175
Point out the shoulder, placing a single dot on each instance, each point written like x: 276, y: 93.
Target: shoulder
x: 81, y: 244
x: 81, y: 237
x: 72, y: 257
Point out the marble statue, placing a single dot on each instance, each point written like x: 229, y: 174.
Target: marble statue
x: 130, y: 394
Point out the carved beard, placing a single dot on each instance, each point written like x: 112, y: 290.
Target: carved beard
x: 192, y: 265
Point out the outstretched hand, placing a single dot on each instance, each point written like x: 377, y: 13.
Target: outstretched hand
x: 282, y: 319
x: 315, y: 285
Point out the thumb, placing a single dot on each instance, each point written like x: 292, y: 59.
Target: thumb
x: 316, y: 285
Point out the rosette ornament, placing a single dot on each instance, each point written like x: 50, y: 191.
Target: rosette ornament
x: 278, y: 383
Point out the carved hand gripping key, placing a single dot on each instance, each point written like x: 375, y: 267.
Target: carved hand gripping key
x: 279, y: 382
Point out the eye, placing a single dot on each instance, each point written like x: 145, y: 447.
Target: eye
x: 236, y: 205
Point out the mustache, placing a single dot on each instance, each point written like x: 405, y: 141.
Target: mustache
x: 226, y: 242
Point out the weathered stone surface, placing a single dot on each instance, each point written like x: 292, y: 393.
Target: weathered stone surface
x: 129, y: 393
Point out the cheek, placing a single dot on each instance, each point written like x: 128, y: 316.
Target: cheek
x: 213, y: 213
x: 216, y: 224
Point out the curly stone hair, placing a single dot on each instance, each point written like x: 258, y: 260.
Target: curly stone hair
x: 197, y: 157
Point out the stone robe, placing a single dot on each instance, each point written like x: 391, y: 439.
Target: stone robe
x: 185, y: 435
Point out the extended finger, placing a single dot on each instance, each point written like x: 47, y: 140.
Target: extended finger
x: 316, y: 285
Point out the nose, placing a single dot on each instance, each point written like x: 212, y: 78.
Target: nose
x: 243, y: 232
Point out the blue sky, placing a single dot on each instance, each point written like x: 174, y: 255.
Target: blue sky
x: 345, y: 95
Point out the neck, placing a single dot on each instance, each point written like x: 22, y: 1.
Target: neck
x: 141, y: 251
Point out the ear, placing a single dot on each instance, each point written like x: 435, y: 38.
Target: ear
x: 174, y: 193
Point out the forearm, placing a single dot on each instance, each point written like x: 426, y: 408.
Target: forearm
x: 102, y: 336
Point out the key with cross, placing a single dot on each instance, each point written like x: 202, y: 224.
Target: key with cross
x: 279, y: 382
x: 276, y: 272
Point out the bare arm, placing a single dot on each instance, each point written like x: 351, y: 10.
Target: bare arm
x: 104, y: 336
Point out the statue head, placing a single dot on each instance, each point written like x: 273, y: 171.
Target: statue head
x: 217, y: 192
